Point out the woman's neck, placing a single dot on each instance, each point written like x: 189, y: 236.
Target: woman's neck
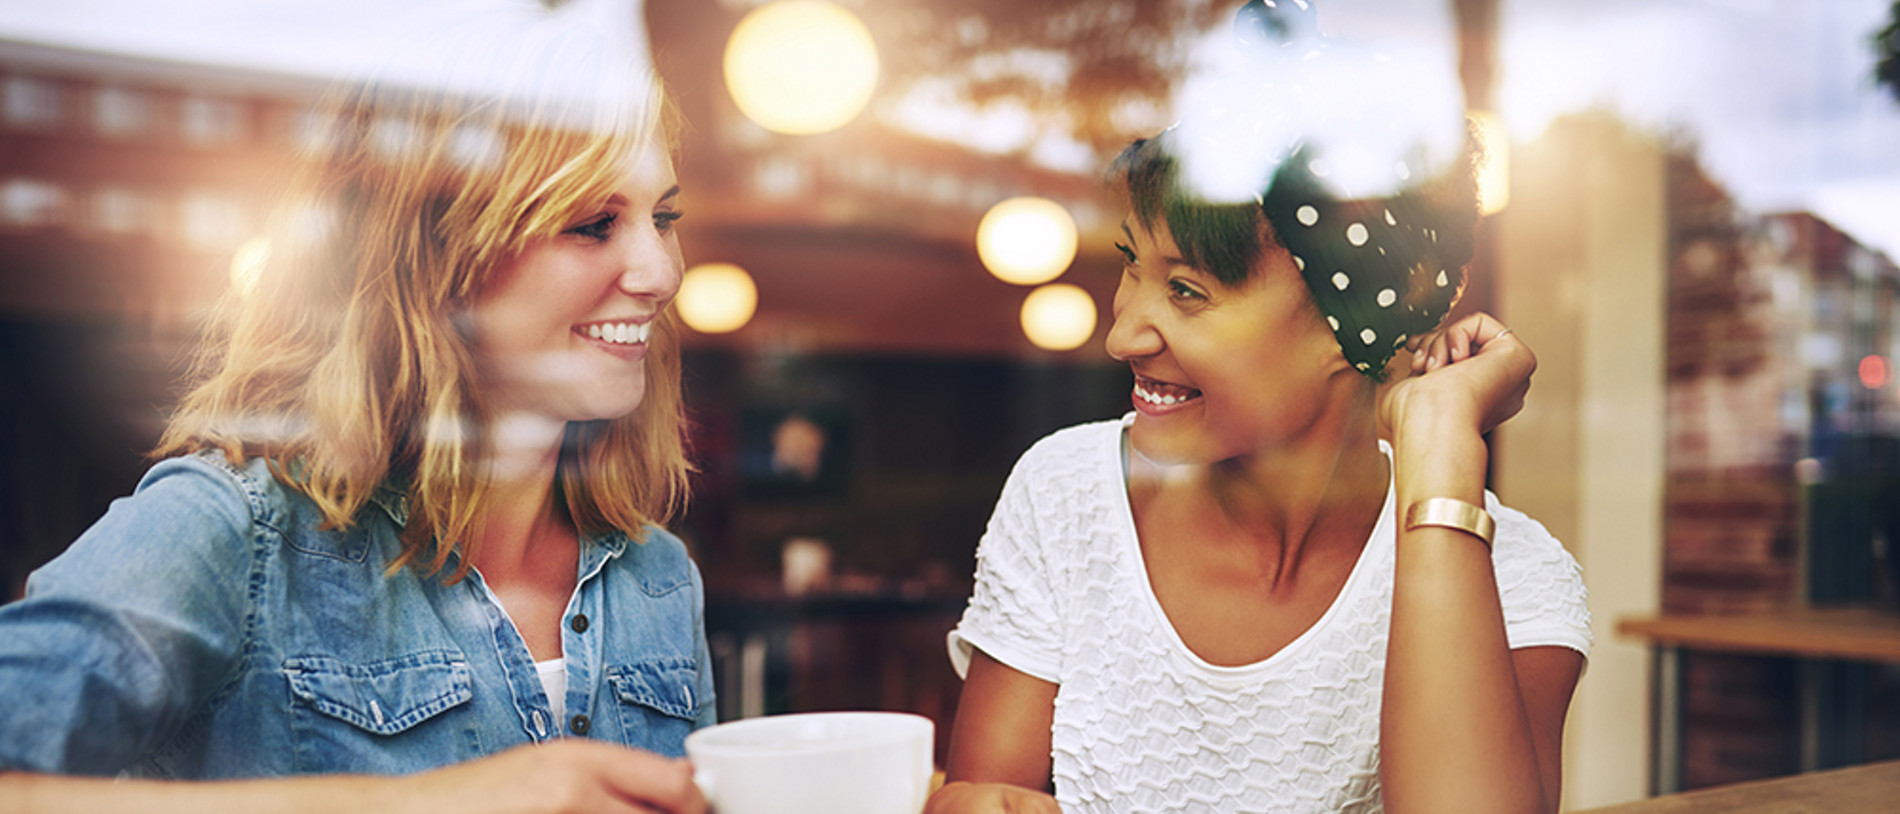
x: 1327, y: 485
x: 519, y: 509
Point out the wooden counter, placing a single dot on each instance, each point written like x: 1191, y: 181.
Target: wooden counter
x: 1865, y: 789
x: 1852, y: 634
x: 1815, y: 636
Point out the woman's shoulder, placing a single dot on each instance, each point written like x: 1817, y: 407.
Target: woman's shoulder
x: 191, y: 519
x: 1081, y: 445
x: 208, y: 480
x: 1520, y: 534
x: 657, y: 558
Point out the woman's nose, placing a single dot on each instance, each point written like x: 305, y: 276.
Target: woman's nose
x: 652, y: 268
x: 1133, y: 334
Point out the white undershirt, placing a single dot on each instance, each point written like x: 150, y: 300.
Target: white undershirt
x: 553, y: 674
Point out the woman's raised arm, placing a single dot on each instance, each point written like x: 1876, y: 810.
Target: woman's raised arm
x: 1468, y: 724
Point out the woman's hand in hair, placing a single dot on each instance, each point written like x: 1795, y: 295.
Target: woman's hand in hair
x: 1474, y: 371
x: 565, y: 775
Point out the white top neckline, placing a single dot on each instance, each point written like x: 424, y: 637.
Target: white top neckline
x: 1131, y: 540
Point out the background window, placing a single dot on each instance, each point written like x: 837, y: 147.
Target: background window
x: 206, y: 120
x: 121, y: 211
x: 29, y: 102
x: 30, y: 203
x: 121, y: 111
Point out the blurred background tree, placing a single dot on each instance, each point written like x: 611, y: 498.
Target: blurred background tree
x: 1101, y: 71
x: 1887, y: 48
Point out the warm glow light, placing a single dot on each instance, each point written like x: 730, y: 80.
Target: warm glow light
x: 1026, y: 241
x: 1494, y: 178
x: 801, y: 66
x: 1874, y: 371
x: 248, y: 263
x: 717, y: 298
x: 1058, y: 317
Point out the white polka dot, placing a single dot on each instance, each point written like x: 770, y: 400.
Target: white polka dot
x: 1340, y: 280
x: 1368, y: 336
x: 1389, y: 220
x: 1299, y: 262
x: 1405, y: 173
x: 1443, y: 280
x: 1363, y: 366
x: 1387, y: 297
x: 1333, y: 321
x: 1356, y: 234
x: 1400, y: 341
x: 1319, y: 167
x: 1307, y: 215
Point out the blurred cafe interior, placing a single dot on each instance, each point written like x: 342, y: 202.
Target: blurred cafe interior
x: 902, y: 281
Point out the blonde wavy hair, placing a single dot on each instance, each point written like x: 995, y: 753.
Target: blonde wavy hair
x: 347, y: 364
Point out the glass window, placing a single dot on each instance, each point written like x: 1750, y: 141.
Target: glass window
x: 29, y: 102
x: 121, y: 111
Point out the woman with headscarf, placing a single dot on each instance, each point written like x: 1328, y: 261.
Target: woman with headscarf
x: 1276, y: 585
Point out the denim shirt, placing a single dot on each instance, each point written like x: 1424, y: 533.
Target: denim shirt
x: 206, y: 627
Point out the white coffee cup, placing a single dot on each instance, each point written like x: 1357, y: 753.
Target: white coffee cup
x: 816, y: 763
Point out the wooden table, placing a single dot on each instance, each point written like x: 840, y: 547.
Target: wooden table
x: 1864, y: 789
x: 1813, y: 635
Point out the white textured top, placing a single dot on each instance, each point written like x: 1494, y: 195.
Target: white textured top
x: 1141, y: 722
x: 553, y: 674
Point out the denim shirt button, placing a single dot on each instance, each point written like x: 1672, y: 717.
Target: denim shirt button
x: 579, y: 724
x: 578, y: 623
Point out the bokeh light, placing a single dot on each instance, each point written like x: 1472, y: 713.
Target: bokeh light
x: 247, y: 264
x: 717, y: 298
x: 1058, y: 317
x: 1874, y: 371
x: 801, y: 66
x: 1026, y: 241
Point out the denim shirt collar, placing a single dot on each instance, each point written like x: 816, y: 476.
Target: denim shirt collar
x: 393, y: 499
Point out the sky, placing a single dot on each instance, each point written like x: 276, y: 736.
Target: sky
x: 1777, y: 93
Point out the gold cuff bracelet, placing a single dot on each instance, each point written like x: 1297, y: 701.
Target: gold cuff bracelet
x: 1451, y: 513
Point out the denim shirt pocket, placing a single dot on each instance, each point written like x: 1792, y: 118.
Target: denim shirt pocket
x: 657, y: 701
x: 382, y: 717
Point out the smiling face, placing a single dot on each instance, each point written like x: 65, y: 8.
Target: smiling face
x: 560, y: 330
x: 1220, y: 371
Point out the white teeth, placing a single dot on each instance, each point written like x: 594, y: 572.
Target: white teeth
x: 1153, y: 398
x: 620, y: 333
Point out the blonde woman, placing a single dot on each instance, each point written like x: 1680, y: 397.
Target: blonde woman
x: 408, y: 517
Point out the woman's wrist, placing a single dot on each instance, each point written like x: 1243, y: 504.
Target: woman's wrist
x: 1438, y: 453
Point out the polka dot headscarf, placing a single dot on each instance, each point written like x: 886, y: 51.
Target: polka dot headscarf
x: 1382, y: 270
